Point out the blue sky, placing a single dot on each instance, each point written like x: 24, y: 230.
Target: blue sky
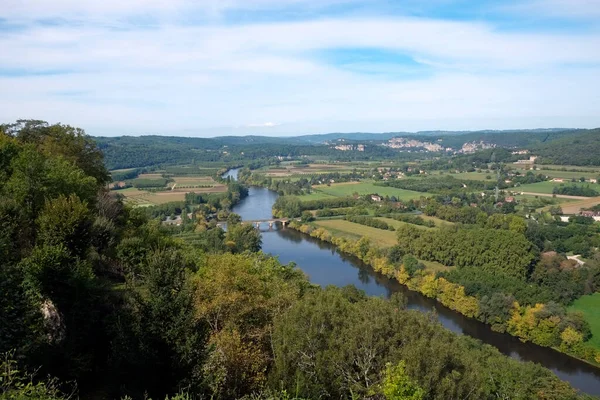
x: 283, y: 67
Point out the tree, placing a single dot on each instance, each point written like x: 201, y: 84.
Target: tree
x: 397, y: 385
x: 243, y: 237
x: 233, y: 219
x: 67, y: 221
x: 70, y: 143
x: 307, y: 216
x: 157, y: 341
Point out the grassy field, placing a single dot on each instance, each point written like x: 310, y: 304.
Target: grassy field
x: 362, y: 188
x: 532, y: 197
x: 339, y: 227
x: 316, y: 195
x: 590, y: 307
x: 547, y: 187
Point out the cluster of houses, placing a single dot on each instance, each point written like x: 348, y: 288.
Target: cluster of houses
x: 591, y: 214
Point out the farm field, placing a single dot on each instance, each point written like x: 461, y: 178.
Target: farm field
x: 566, y: 174
x: 575, y: 206
x: 198, y: 184
x: 362, y: 188
x: 589, y: 305
x: 340, y: 227
x: 194, y: 180
x: 310, y: 169
x: 547, y: 187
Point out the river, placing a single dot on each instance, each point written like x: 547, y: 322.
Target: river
x: 324, y: 265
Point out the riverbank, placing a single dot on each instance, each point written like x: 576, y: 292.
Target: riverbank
x: 453, y: 296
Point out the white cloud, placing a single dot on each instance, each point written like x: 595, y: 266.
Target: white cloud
x: 175, y: 78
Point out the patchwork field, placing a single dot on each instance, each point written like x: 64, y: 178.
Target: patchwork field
x: 362, y: 188
x: 589, y: 305
x: 180, y: 186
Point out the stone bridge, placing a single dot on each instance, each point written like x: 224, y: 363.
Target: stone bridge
x: 270, y: 221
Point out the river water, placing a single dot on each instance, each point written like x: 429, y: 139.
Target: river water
x: 324, y: 265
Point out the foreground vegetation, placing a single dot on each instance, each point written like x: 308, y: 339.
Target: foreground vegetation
x: 111, y: 302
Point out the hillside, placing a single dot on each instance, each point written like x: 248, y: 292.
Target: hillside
x: 580, y: 149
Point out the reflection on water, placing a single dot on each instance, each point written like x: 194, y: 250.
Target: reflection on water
x: 324, y: 265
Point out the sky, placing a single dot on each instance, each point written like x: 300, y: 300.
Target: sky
x: 288, y: 67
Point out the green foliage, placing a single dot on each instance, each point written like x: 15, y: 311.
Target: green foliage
x: 66, y: 142
x: 240, y: 238
x: 369, y: 221
x: 307, y: 216
x: 17, y: 385
x: 495, y: 251
x: 435, y: 184
x: 583, y: 148
x: 397, y: 384
x: 574, y: 190
x: 158, y: 344
x: 335, y: 343
x: 67, y: 221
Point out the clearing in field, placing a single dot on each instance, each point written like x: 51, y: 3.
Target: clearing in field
x: 589, y: 305
x: 340, y: 227
x: 362, y: 188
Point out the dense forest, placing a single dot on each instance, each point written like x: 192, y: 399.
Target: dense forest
x: 581, y: 149
x: 108, y: 303
x: 554, y: 146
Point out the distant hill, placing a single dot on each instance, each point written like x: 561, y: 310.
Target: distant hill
x: 582, y: 148
x: 556, y: 146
